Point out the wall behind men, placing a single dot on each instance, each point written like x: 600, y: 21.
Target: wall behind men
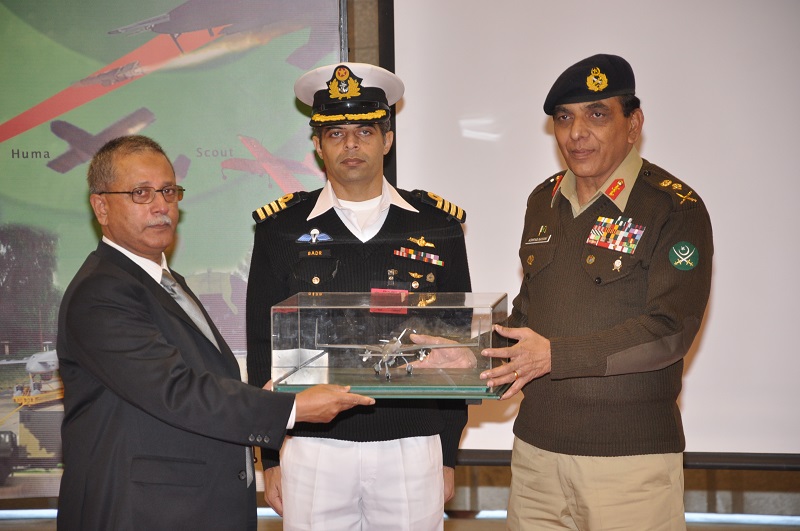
x: 718, y: 81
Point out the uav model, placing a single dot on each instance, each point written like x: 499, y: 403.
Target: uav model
x: 388, y: 350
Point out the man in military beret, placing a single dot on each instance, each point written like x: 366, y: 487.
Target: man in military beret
x: 616, y: 255
x: 391, y: 467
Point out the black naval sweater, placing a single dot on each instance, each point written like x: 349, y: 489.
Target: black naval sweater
x: 284, y: 263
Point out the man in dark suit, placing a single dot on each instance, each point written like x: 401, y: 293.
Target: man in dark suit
x: 157, y: 424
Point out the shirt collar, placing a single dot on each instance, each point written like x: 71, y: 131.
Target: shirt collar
x: 618, y: 192
x: 150, y: 267
x: 389, y: 196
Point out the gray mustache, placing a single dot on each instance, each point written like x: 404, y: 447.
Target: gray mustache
x: 159, y: 219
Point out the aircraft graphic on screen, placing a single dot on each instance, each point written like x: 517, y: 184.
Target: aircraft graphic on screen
x: 281, y: 170
x: 126, y: 72
x: 83, y: 145
x: 236, y: 16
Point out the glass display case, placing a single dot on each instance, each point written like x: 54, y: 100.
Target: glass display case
x: 388, y: 344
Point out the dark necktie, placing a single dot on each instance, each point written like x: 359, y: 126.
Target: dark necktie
x: 193, y: 310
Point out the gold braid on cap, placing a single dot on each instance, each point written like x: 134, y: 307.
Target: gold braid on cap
x: 375, y: 115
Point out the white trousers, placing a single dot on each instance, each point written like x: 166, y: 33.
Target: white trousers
x: 353, y: 486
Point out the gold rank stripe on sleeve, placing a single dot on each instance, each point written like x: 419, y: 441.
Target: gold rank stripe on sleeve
x: 443, y: 204
x: 270, y: 209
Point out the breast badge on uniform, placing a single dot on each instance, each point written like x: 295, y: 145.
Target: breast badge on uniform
x: 684, y: 256
x: 421, y: 241
x: 618, y: 235
x: 413, y: 254
x: 314, y: 236
x: 542, y: 237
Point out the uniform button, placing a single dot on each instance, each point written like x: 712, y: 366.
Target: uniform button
x: 315, y: 280
x: 242, y: 475
x: 266, y: 439
x: 251, y: 438
x: 598, y: 280
x: 259, y: 438
x: 646, y: 172
x: 527, y: 277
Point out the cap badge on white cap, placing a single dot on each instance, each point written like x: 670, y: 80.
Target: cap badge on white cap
x: 344, y: 84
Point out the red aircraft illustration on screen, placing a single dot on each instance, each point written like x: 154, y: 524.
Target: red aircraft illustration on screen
x: 281, y: 170
x: 197, y: 23
x: 150, y: 56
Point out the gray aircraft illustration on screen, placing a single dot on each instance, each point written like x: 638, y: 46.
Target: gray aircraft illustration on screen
x: 236, y: 16
x: 83, y: 145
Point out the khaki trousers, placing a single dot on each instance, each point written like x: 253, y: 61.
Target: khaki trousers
x: 555, y: 491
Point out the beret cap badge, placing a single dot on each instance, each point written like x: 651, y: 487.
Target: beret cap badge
x: 595, y: 78
x: 596, y: 81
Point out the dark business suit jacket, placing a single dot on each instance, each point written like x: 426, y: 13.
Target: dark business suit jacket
x: 156, y: 419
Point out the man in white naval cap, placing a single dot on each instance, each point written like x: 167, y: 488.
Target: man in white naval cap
x: 391, y: 465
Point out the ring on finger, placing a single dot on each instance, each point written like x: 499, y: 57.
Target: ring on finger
x: 516, y: 376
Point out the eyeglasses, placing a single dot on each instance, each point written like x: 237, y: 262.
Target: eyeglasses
x: 146, y: 194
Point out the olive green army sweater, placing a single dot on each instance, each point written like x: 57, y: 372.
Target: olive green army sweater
x: 620, y: 295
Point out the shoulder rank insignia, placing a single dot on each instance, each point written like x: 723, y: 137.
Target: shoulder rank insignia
x: 554, y: 181
x: 681, y: 194
x: 271, y: 209
x: 453, y: 210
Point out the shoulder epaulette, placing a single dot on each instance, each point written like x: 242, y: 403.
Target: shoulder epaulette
x: 554, y: 182
x: 454, y: 211
x: 681, y: 194
x: 272, y: 209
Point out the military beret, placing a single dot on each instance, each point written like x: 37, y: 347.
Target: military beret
x: 348, y: 93
x: 594, y: 78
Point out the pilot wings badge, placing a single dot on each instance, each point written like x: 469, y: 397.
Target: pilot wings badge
x: 314, y: 236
